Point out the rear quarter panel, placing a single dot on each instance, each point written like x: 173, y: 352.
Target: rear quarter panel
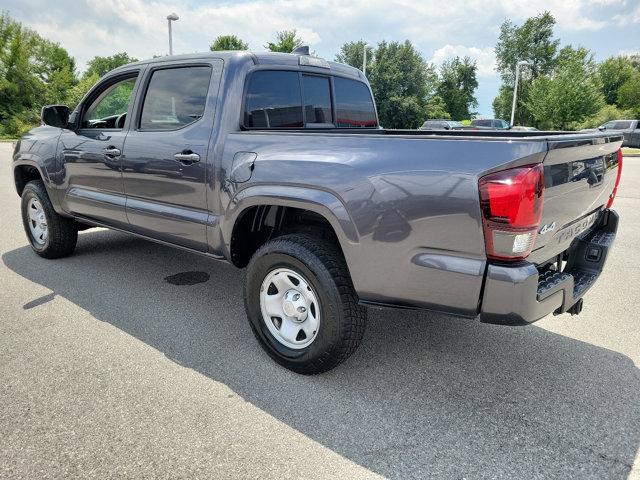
x: 413, y: 203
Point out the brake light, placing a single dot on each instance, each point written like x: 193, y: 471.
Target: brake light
x: 615, y: 188
x: 511, y: 203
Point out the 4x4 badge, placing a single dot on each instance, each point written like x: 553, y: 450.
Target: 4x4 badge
x: 549, y: 227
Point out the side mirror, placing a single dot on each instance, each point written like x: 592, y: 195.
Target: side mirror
x: 55, y: 116
x: 602, y: 128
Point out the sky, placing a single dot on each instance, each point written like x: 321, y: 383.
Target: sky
x: 438, y: 29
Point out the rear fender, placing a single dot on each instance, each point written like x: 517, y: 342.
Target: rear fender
x: 314, y: 200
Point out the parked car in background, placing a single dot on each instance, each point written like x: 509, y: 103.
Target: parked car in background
x: 630, y: 130
x: 441, y: 125
x: 520, y: 128
x: 490, y: 123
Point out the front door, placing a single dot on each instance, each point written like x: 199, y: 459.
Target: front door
x: 165, y: 157
x: 91, y: 155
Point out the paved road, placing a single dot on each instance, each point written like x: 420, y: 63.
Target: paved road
x: 107, y: 370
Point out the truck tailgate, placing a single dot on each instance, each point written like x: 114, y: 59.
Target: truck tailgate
x: 580, y: 175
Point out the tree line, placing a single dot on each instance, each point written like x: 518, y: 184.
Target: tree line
x: 562, y: 88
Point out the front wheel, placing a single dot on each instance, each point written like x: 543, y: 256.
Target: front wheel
x: 301, y: 304
x: 50, y: 234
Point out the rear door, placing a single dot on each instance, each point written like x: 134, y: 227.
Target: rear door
x: 166, y: 154
x: 580, y: 174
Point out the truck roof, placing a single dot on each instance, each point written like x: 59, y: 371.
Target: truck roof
x: 259, y: 58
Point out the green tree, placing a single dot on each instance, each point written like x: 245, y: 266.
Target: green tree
x: 629, y: 94
x: 534, y: 42
x: 228, y: 42
x: 77, y: 92
x: 33, y: 72
x: 570, y: 94
x: 604, y: 115
x: 614, y: 72
x: 55, y: 68
x: 402, y: 83
x: 102, y: 65
x: 458, y: 83
x: 436, y: 107
x: 286, y: 41
x: 352, y: 53
x: 502, y: 104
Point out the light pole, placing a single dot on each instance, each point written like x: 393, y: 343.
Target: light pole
x: 171, y: 18
x: 364, y: 58
x: 521, y: 63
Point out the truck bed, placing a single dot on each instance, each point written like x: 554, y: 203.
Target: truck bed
x: 400, y: 187
x: 542, y: 135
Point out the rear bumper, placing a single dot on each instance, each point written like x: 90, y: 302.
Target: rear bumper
x: 519, y: 295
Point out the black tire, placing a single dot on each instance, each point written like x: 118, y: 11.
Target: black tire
x: 62, y: 232
x: 342, y: 319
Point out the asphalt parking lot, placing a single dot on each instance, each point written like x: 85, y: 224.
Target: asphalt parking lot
x: 107, y: 370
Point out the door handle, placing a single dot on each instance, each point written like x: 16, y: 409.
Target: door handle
x: 111, y: 152
x: 187, y: 158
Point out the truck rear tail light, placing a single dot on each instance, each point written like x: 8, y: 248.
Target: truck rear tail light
x: 615, y: 188
x: 511, y: 203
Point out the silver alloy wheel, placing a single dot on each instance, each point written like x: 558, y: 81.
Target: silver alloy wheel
x: 290, y: 308
x: 37, y: 221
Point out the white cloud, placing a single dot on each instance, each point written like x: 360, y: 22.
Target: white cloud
x: 485, y: 57
x: 629, y: 18
x: 458, y: 27
x: 99, y: 27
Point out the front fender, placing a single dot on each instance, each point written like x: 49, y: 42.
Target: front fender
x: 30, y: 163
x: 37, y: 149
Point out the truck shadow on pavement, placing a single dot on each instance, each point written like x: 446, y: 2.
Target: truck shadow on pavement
x: 425, y: 395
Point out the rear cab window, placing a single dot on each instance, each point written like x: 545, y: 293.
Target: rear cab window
x: 273, y: 100
x: 292, y: 99
x: 354, y: 105
x: 317, y: 100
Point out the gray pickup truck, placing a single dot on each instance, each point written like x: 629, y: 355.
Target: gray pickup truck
x: 276, y: 162
x: 629, y: 129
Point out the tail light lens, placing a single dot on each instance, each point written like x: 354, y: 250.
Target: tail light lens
x: 511, y: 203
x: 615, y: 188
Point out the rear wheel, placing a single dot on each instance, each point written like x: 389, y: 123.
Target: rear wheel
x: 301, y: 303
x: 50, y: 234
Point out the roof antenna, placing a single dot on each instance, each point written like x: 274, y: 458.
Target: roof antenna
x: 303, y: 50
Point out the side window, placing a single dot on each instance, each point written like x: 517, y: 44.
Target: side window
x: 175, y: 97
x: 109, y: 108
x: 273, y: 100
x: 317, y: 99
x: 354, y: 105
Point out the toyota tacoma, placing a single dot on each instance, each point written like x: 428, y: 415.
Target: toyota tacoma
x: 276, y: 163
